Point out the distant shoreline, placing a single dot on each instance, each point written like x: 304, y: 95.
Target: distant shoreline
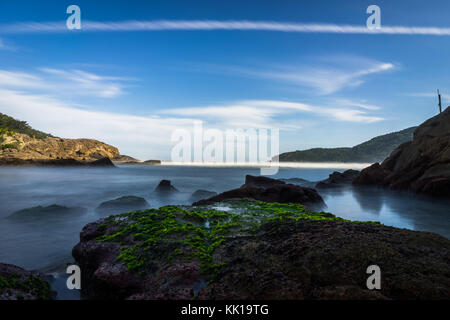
x: 311, y: 165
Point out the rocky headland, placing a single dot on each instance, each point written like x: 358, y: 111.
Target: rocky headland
x: 422, y: 165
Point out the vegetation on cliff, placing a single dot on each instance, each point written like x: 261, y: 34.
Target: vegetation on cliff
x: 10, y: 125
x: 374, y: 150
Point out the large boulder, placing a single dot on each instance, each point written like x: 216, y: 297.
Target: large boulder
x: 19, y: 284
x: 422, y: 165
x: 255, y: 250
x: 269, y: 190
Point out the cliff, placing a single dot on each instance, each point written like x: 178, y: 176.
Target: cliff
x: 24, y: 147
x: 422, y: 165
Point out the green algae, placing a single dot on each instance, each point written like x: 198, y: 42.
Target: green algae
x: 173, y: 234
x: 32, y: 285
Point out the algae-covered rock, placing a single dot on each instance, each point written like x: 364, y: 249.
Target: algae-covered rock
x: 19, y: 284
x: 256, y: 250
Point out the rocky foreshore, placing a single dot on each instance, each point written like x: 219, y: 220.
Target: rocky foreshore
x: 246, y: 249
x: 69, y: 162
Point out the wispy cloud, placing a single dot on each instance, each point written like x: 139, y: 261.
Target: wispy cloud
x: 40, y: 98
x: 75, y: 82
x: 243, y: 25
x: 325, y: 75
x: 263, y: 113
x: 4, y: 46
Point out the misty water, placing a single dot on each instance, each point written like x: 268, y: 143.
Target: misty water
x: 45, y: 243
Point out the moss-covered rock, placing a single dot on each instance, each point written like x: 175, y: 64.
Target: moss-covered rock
x: 19, y: 284
x: 245, y: 249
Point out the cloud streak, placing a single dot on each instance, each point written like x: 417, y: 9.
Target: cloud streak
x: 207, y: 25
x: 76, y: 82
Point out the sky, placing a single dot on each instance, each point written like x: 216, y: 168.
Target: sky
x: 138, y: 70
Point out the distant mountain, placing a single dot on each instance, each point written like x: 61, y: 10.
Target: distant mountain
x: 374, y: 150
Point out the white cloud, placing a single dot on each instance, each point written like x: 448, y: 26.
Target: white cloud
x: 242, y: 25
x: 39, y: 99
x: 73, y: 82
x: 142, y: 137
x: 325, y: 75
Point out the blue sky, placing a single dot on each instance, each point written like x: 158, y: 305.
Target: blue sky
x: 133, y: 88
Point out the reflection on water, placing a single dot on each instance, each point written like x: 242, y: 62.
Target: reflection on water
x: 46, y: 243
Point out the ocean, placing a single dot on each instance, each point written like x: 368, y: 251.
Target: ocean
x: 45, y: 243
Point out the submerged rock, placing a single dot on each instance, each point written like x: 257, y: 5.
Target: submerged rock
x: 50, y: 211
x: 202, y: 194
x: 422, y: 165
x: 338, y: 179
x: 123, y: 204
x: 165, y: 186
x: 256, y: 250
x: 19, y: 284
x: 269, y: 190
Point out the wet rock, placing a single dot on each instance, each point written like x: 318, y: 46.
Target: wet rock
x: 103, y: 162
x: 40, y: 212
x: 287, y: 259
x: 422, y: 165
x: 202, y: 194
x: 338, y: 179
x: 301, y: 182
x: 19, y: 284
x: 269, y: 190
x: 165, y: 186
x: 261, y: 181
x: 123, y: 204
x: 328, y: 260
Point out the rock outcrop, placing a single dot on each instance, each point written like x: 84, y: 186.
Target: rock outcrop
x: 165, y: 187
x: 269, y: 190
x: 56, y: 148
x: 255, y: 250
x: 338, y: 179
x: 422, y: 165
x: 19, y: 284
